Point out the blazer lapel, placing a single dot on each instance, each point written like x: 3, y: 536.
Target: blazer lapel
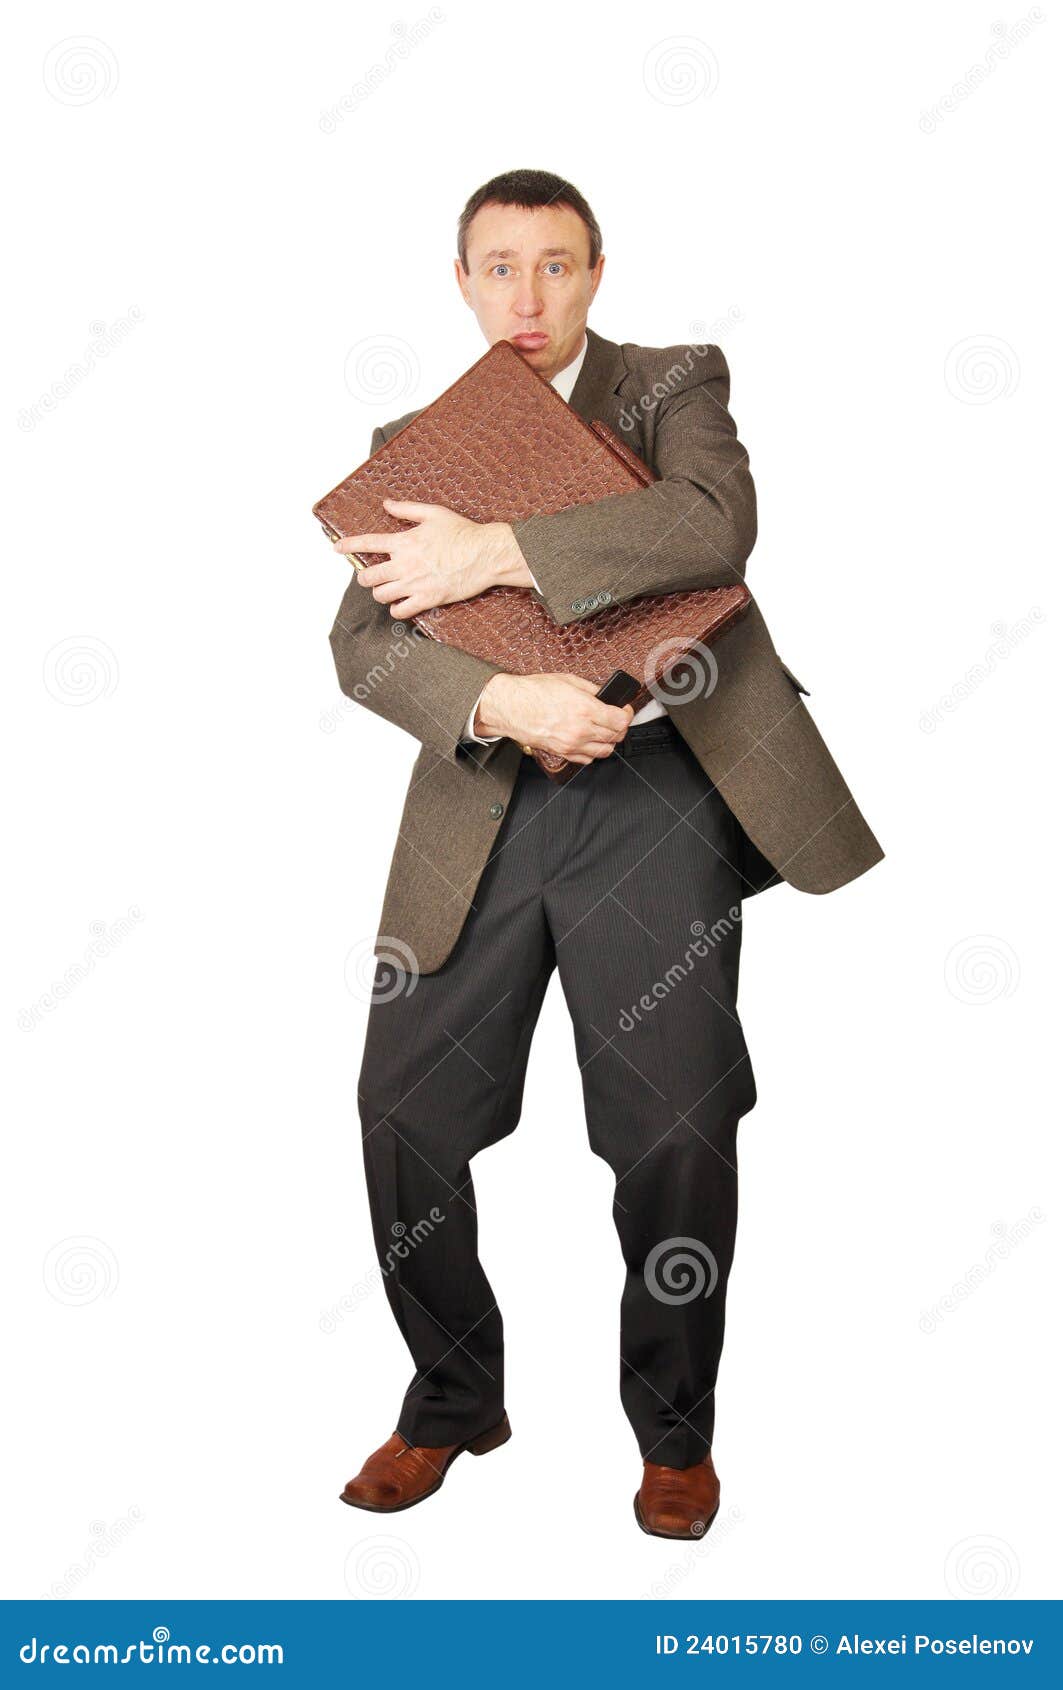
x: 602, y: 371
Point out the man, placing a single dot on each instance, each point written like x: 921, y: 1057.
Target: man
x: 629, y: 879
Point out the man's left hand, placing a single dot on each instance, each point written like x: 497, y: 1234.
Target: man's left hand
x: 442, y: 559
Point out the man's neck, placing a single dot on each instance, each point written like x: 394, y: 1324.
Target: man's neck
x: 572, y: 360
x: 565, y: 379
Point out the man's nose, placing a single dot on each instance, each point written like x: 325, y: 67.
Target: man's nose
x: 528, y: 302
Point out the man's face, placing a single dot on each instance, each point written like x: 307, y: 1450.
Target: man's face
x: 530, y: 281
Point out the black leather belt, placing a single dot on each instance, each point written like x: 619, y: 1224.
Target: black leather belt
x: 648, y: 736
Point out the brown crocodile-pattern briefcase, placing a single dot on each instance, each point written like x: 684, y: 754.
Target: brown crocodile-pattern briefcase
x: 501, y: 445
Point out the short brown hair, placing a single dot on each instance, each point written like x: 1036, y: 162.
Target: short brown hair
x: 528, y: 189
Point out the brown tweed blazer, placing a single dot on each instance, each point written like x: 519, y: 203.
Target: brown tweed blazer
x: 752, y: 733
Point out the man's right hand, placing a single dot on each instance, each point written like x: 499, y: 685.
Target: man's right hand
x: 559, y: 713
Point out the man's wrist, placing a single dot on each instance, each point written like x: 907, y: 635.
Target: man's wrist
x: 503, y: 558
x: 488, y: 717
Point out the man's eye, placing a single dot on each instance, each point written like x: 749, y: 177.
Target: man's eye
x: 557, y: 269
x: 499, y: 268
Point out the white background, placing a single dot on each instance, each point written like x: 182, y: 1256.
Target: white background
x: 242, y: 191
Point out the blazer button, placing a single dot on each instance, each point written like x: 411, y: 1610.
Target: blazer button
x: 497, y: 810
x: 578, y: 606
x: 605, y: 598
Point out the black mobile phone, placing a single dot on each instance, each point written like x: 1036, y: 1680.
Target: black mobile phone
x: 620, y: 688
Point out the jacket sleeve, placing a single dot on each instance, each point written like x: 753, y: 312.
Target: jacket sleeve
x: 694, y: 528
x: 470, y: 732
x: 426, y: 688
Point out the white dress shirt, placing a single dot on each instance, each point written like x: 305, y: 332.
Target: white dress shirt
x: 564, y: 381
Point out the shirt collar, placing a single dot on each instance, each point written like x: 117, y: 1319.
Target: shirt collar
x: 565, y: 380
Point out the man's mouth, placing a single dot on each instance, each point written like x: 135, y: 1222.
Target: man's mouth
x: 529, y: 342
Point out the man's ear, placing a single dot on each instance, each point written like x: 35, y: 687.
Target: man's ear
x: 597, y: 275
x: 463, y: 282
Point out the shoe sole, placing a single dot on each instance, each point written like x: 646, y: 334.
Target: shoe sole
x: 680, y: 1537
x: 494, y: 1438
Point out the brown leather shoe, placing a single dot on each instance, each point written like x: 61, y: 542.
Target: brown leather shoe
x: 678, y: 1501
x: 398, y: 1474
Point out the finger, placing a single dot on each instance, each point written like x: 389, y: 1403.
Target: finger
x: 364, y: 543
x: 367, y: 543
x: 388, y: 592
x: 616, y: 719
x: 410, y: 510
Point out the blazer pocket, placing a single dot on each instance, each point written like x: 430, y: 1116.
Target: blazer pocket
x: 790, y: 676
